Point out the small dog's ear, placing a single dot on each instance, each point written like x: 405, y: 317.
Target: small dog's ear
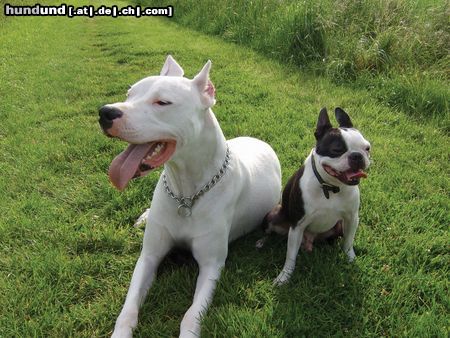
x: 171, y: 68
x: 323, y: 124
x: 343, y: 118
x: 205, y: 86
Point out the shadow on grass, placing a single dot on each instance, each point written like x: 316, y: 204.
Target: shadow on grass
x: 324, y: 296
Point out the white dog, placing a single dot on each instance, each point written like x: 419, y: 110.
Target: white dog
x: 211, y: 192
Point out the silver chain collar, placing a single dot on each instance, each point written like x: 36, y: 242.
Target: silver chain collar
x: 185, y: 204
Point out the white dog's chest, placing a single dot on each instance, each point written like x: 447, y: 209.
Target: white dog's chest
x: 180, y: 229
x: 233, y: 207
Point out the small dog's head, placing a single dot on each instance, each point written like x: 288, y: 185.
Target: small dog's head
x: 343, y: 152
x: 160, y: 114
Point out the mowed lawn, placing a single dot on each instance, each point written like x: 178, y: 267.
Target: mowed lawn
x: 67, y: 245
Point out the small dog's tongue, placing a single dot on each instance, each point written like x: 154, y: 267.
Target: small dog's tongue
x: 125, y: 165
x: 355, y: 174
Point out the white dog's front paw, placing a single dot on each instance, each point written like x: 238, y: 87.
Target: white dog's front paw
x: 283, y: 277
x: 190, y: 326
x: 142, y: 218
x: 125, y: 325
x: 122, y: 332
x: 350, y: 255
x: 190, y: 334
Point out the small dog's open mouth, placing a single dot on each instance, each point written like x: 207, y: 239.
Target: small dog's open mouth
x: 138, y: 160
x: 349, y: 177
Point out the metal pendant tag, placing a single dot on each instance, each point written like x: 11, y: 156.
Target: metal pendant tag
x: 185, y: 207
x: 184, y: 210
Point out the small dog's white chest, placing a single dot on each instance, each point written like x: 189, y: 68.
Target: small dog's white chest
x: 324, y: 220
x: 325, y: 213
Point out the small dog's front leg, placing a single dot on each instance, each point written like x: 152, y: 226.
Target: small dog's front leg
x: 294, y: 242
x: 350, y: 226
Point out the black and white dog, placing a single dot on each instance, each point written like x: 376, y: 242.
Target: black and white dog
x: 321, y: 200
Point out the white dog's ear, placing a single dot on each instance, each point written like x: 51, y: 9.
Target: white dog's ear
x: 205, y: 86
x: 171, y: 68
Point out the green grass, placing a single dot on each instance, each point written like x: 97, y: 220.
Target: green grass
x: 67, y: 248
x: 397, y: 49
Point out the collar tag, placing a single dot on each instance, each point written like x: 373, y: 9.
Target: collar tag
x: 327, y: 188
x: 186, y: 203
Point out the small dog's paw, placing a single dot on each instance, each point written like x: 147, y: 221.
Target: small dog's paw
x: 350, y: 255
x: 142, y: 219
x: 260, y: 243
x: 282, y: 278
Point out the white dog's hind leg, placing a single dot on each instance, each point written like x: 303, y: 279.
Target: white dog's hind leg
x: 260, y: 242
x: 155, y: 247
x: 210, y: 257
x: 142, y: 218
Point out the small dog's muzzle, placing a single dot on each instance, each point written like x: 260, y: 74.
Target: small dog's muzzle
x: 107, y: 115
x: 356, y: 161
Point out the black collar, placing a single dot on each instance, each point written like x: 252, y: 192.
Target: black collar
x: 326, y: 187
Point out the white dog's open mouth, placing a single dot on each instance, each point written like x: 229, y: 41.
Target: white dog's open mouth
x: 138, y: 160
x: 350, y: 176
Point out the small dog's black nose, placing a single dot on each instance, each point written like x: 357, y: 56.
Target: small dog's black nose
x: 356, y: 160
x: 107, y: 115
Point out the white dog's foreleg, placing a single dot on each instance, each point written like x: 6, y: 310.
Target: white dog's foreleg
x: 204, y: 290
x: 143, y: 276
x: 350, y: 226
x: 210, y: 256
x: 154, y: 249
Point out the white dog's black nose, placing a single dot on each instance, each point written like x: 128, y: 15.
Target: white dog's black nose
x: 107, y: 115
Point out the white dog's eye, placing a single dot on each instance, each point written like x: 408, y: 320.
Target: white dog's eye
x: 162, y: 103
x: 368, y: 148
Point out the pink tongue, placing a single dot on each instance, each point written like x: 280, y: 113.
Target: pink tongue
x: 125, y: 165
x: 353, y: 175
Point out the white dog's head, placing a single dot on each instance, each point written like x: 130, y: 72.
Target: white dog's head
x: 160, y: 115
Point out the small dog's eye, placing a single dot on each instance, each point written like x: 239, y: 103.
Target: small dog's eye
x: 163, y: 103
x: 368, y: 148
x: 337, y: 150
